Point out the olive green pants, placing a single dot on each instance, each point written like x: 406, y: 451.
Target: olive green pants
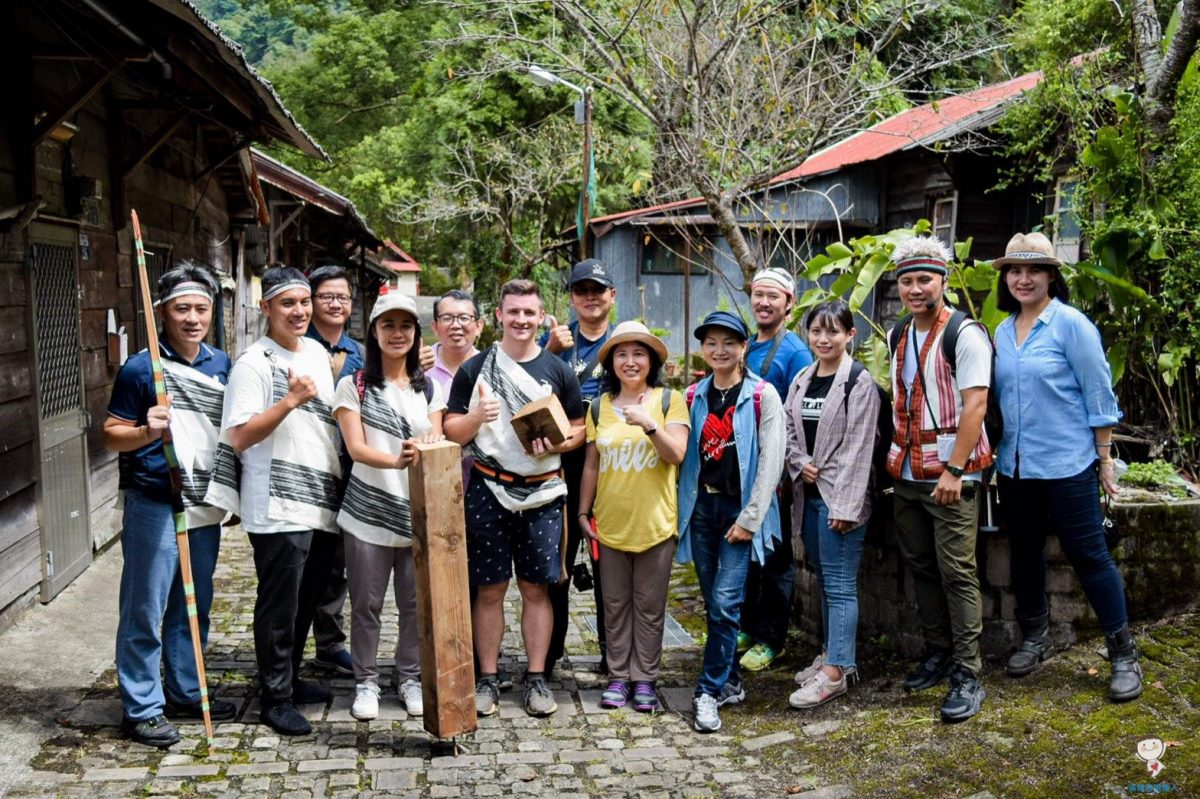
x: 938, y: 544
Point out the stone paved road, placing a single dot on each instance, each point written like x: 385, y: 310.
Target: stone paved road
x: 580, y: 751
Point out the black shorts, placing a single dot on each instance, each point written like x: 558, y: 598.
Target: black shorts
x: 499, y: 539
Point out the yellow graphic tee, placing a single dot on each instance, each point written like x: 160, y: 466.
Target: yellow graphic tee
x: 636, y: 504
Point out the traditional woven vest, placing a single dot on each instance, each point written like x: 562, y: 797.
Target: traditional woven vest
x: 916, y: 429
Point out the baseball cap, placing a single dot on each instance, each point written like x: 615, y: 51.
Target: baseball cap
x: 723, y: 319
x: 393, y: 301
x: 591, y: 269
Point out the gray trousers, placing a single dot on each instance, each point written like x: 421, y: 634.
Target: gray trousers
x: 368, y: 567
x: 635, y: 608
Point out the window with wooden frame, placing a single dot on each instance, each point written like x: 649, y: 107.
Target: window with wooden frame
x: 664, y: 252
x: 945, y: 218
x: 1068, y: 234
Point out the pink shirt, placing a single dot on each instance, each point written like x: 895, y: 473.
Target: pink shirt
x: 444, y: 377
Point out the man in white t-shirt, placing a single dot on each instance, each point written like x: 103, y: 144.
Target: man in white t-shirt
x: 277, y: 417
x: 938, y: 453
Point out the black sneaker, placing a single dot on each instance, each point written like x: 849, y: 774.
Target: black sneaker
x: 308, y: 692
x: 503, y: 679
x: 731, y: 694
x: 933, y: 669
x: 154, y: 731
x: 218, y: 710
x: 964, y: 698
x: 285, y: 719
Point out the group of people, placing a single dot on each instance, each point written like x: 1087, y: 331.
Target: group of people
x: 307, y: 440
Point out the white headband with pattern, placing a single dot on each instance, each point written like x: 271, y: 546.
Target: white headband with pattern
x: 185, y: 288
x: 287, y: 285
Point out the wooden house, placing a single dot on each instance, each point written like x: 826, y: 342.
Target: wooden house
x: 935, y: 161
x: 110, y: 106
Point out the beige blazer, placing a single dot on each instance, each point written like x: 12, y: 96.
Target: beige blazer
x: 842, y: 451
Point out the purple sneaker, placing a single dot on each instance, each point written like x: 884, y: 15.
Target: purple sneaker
x: 644, y: 698
x: 615, y: 695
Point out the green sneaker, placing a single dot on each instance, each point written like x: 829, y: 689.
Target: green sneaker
x: 758, y: 658
x: 744, y: 642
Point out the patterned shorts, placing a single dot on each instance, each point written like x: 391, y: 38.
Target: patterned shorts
x: 499, y: 539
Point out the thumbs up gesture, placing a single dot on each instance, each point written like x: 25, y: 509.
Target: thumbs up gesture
x: 488, y: 407
x: 638, y: 414
x: 300, y: 390
x: 560, y: 339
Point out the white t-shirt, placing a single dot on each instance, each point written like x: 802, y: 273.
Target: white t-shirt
x: 249, y: 394
x: 973, y: 359
x: 376, y: 506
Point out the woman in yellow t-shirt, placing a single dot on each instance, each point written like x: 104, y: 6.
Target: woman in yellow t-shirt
x: 636, y: 439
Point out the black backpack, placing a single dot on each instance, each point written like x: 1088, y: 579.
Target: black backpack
x: 993, y: 421
x: 885, y: 429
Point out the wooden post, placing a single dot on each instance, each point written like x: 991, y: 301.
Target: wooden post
x: 443, y: 596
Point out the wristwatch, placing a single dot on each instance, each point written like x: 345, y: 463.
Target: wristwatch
x: 954, y: 470
x: 652, y: 430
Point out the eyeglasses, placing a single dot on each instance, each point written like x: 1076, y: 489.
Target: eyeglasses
x: 463, y: 319
x: 329, y: 299
x: 588, y: 288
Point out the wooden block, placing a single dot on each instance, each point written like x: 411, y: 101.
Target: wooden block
x: 443, y: 595
x: 543, y: 418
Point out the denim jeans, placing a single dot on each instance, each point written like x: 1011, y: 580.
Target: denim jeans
x: 151, y: 599
x: 721, y: 569
x: 835, y: 558
x: 1070, y: 508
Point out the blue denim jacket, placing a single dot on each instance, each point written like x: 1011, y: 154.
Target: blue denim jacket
x: 745, y: 432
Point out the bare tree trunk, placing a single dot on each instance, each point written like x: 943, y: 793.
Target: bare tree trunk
x: 1161, y: 72
x: 720, y: 205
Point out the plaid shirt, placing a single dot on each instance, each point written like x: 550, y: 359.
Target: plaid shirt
x: 842, y: 450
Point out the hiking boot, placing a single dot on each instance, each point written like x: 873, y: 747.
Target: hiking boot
x: 731, y: 693
x: 336, y: 661
x: 538, y: 699
x: 933, y: 669
x: 487, y: 695
x: 366, y: 701
x: 309, y: 692
x: 806, y: 674
x: 285, y: 719
x: 818, y: 690
x: 154, y: 731
x: 1126, y: 682
x: 645, y: 700
x: 964, y: 698
x: 708, y: 717
x: 1035, y: 647
x: 615, y: 695
x: 412, y: 697
x: 744, y: 642
x: 758, y: 658
x: 218, y: 710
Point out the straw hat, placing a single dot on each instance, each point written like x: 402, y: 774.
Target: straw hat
x: 1028, y: 248
x: 634, y: 331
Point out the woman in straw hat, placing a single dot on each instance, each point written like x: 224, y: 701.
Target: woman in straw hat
x: 383, y: 411
x: 1055, y: 391
x: 637, y: 432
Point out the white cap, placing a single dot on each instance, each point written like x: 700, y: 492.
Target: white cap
x: 392, y: 301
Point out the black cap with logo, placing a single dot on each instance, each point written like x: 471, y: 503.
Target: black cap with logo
x: 590, y: 269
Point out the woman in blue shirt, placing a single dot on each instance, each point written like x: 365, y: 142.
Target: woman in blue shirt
x: 1055, y: 392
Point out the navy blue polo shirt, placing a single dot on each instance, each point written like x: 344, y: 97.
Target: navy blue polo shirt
x: 145, y: 469
x: 353, y: 350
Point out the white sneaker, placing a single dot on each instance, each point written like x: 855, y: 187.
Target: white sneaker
x: 411, y: 698
x: 366, y: 701
x: 817, y: 691
x: 708, y: 719
x: 804, y: 675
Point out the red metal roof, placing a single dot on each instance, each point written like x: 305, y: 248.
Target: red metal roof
x: 397, y: 259
x: 915, y: 127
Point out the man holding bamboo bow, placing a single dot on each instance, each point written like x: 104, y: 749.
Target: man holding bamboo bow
x: 152, y: 593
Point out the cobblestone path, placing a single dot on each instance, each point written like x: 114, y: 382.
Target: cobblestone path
x: 580, y: 751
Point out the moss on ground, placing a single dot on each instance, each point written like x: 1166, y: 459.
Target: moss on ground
x: 1053, y: 733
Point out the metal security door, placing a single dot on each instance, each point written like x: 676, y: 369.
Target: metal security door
x: 63, y: 487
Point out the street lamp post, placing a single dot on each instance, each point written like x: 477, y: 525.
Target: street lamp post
x: 583, y: 116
